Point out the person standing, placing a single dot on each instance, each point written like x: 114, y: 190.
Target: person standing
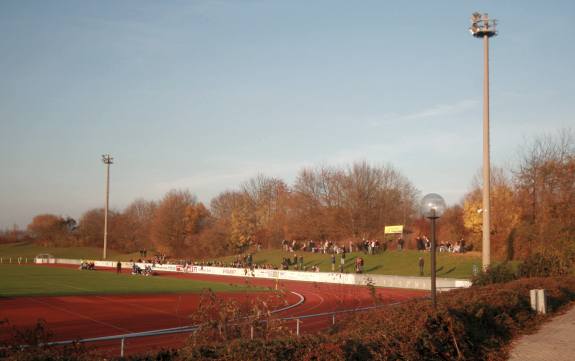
x: 342, y: 261
x: 400, y: 243
x: 301, y: 263
x: 333, y: 262
x: 250, y: 260
x: 421, y: 263
x: 419, y: 243
x: 359, y: 265
x: 118, y: 267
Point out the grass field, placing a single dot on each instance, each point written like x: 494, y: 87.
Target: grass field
x: 30, y: 250
x: 30, y: 280
x: 401, y: 263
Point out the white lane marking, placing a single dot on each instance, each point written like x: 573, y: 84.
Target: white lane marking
x: 301, y: 301
x: 78, y: 315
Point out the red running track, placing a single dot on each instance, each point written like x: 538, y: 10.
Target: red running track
x: 79, y: 317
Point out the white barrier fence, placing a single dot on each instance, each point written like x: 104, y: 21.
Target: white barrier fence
x: 420, y: 283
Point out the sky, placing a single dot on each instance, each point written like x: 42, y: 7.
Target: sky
x: 205, y: 94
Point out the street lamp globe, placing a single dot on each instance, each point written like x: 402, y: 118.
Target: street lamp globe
x: 432, y: 206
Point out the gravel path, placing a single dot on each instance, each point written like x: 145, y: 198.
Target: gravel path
x: 554, y: 341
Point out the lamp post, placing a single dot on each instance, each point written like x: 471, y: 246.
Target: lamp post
x: 107, y: 159
x: 432, y: 207
x: 483, y: 27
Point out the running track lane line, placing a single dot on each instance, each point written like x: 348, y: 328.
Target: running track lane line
x: 78, y: 315
x: 136, y: 305
x: 151, y: 332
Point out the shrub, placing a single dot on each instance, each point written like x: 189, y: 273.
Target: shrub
x: 470, y: 324
x: 547, y: 263
x: 499, y: 273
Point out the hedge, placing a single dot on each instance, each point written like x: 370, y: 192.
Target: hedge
x: 470, y: 324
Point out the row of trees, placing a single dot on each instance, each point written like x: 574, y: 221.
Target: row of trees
x: 324, y: 203
x: 533, y: 206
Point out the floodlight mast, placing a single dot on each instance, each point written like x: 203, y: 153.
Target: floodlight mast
x: 483, y: 27
x: 107, y: 159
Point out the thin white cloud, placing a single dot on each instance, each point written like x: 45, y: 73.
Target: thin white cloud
x: 210, y: 183
x: 440, y: 110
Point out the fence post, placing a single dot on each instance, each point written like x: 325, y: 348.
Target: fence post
x: 541, y: 301
x: 297, y: 327
x: 538, y: 300
x: 122, y: 348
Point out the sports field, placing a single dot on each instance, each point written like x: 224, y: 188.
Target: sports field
x: 86, y: 315
x: 391, y: 262
x: 35, y: 280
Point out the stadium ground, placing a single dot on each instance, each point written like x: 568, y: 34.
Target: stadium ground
x: 34, y: 280
x: 78, y: 317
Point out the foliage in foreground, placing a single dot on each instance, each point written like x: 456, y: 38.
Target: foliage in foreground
x: 498, y: 273
x: 470, y: 324
x: 544, y: 263
x: 547, y: 263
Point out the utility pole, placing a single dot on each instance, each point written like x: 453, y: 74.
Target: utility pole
x: 483, y: 27
x: 107, y: 159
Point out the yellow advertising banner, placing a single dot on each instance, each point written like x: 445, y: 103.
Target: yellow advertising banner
x: 393, y: 229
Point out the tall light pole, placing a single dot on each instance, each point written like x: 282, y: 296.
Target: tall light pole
x: 483, y: 27
x: 107, y: 159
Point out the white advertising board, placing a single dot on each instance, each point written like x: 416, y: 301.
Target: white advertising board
x: 421, y: 283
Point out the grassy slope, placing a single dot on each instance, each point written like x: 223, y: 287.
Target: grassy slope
x: 29, y: 250
x: 30, y: 280
x: 402, y: 263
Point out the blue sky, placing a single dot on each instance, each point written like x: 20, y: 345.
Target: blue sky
x: 203, y: 95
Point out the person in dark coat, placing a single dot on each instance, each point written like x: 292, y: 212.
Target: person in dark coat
x: 421, y: 263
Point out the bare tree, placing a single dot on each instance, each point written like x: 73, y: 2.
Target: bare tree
x: 545, y: 187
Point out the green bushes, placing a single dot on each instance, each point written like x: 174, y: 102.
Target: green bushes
x: 499, y: 273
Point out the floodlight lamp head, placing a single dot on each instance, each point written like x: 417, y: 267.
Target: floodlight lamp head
x: 473, y: 29
x: 107, y: 159
x: 481, y: 26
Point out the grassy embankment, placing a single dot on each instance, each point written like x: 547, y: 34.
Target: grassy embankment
x: 402, y: 263
x: 30, y: 250
x: 30, y: 280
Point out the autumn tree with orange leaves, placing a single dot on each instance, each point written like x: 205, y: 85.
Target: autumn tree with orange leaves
x: 51, y: 230
x: 533, y: 207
